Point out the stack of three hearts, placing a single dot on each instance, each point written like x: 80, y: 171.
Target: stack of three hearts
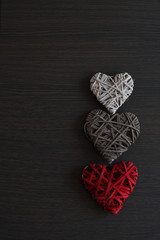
x: 111, y: 135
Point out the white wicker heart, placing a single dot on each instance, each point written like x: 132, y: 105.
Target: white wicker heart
x: 111, y: 91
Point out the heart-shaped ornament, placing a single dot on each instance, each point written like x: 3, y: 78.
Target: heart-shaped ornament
x: 110, y: 187
x: 111, y: 134
x: 111, y: 91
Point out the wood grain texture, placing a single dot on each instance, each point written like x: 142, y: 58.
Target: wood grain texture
x: 49, y: 51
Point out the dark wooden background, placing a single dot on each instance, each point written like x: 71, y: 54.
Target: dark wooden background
x: 49, y: 50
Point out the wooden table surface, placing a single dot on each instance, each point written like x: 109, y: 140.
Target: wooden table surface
x: 49, y: 50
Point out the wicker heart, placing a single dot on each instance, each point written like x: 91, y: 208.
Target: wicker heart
x: 112, y: 92
x: 111, y: 134
x: 110, y: 187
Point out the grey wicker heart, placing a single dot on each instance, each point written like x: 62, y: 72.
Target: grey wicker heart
x: 111, y: 134
x: 112, y: 92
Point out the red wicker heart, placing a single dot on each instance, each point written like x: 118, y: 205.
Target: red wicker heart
x: 110, y: 186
